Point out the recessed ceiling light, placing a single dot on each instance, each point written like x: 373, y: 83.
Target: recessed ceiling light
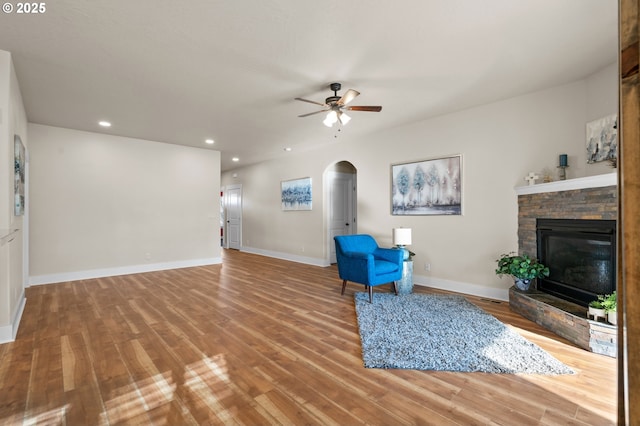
x: 288, y: 149
x: 235, y: 159
x: 104, y: 123
x: 209, y: 141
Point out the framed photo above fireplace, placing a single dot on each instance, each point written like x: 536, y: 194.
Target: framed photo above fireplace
x: 427, y: 187
x: 602, y: 139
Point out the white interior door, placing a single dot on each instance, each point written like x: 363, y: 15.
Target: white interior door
x: 234, y: 216
x: 342, y: 199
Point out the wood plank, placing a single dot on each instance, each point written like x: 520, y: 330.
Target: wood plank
x: 628, y: 225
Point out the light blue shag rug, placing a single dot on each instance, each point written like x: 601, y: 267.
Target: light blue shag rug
x: 444, y: 333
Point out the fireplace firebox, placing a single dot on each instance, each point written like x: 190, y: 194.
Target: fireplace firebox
x: 581, y: 256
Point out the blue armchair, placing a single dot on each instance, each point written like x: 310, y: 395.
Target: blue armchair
x: 361, y: 260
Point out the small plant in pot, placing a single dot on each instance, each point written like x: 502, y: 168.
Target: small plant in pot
x: 610, y: 305
x: 522, y: 268
x: 596, y: 308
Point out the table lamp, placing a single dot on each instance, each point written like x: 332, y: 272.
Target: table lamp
x: 402, y: 238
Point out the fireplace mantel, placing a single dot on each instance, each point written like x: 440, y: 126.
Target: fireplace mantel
x: 597, y: 181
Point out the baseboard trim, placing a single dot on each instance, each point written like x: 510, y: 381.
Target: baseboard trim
x: 439, y: 283
x: 8, y: 332
x: 462, y: 287
x: 122, y: 270
x: 286, y: 256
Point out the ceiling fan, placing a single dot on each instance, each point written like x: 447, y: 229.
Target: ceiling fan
x: 335, y: 106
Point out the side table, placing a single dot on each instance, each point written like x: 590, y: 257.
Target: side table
x: 405, y: 284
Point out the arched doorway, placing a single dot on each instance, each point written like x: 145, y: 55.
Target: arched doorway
x: 340, y: 180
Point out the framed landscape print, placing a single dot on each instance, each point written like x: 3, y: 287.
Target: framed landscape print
x: 427, y: 187
x: 296, y: 194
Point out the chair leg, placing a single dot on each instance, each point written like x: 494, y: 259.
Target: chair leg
x: 395, y: 287
x: 370, y: 294
x: 344, y: 285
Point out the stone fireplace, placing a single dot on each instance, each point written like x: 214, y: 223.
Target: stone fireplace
x: 590, y: 200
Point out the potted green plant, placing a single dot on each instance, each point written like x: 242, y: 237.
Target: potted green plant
x: 610, y: 305
x: 522, y: 268
x: 596, y: 308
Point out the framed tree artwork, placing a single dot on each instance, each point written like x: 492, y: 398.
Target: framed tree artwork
x: 427, y: 187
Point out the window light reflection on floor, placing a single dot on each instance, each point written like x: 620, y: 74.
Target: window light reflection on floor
x: 146, y: 395
x: 57, y: 416
x: 139, y: 397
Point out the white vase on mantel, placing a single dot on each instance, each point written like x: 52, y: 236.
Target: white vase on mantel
x: 612, y: 317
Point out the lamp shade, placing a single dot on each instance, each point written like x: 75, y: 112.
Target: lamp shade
x: 402, y: 236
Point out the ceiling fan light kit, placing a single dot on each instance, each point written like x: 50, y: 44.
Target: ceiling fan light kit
x: 344, y: 118
x: 330, y: 119
x: 334, y: 106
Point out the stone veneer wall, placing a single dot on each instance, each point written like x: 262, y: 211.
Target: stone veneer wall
x: 594, y: 336
x: 589, y: 203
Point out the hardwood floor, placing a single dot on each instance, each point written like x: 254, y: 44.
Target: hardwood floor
x: 258, y: 341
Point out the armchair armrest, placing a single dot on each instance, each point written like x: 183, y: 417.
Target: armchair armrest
x: 357, y: 255
x: 355, y: 266
x: 389, y: 254
x: 355, y: 260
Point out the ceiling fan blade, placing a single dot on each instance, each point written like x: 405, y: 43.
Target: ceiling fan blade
x: 364, y: 108
x: 348, y: 97
x: 311, y: 102
x: 313, y: 113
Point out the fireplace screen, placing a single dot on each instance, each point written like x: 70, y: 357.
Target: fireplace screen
x: 581, y: 256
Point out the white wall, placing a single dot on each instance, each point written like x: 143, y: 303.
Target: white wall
x: 500, y: 143
x: 6, y: 184
x: 12, y: 277
x: 106, y: 205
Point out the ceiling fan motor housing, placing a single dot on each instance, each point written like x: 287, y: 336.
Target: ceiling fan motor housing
x: 331, y: 100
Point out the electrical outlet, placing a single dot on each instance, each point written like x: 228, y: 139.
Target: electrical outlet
x: 427, y: 267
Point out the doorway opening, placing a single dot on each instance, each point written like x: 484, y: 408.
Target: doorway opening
x: 341, y: 184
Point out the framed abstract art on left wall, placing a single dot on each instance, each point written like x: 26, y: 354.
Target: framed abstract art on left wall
x: 296, y: 194
x: 19, y: 175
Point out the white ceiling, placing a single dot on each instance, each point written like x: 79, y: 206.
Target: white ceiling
x: 183, y: 71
